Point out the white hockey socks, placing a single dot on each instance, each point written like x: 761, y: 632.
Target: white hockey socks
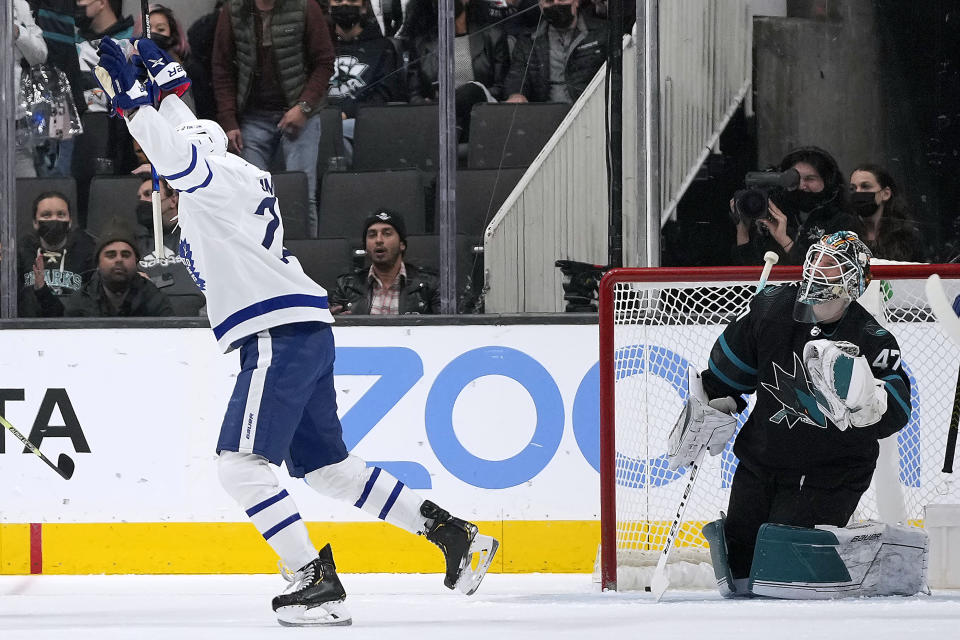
x: 250, y: 481
x: 371, y: 489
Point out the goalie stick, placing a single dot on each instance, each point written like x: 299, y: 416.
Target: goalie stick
x: 951, y: 324
x: 64, y: 464
x: 660, y: 580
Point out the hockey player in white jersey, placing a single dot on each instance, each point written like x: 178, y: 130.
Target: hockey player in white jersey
x: 259, y: 301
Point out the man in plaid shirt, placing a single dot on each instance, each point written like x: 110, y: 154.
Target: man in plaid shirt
x: 389, y: 286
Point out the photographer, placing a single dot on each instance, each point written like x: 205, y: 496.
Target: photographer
x: 796, y: 217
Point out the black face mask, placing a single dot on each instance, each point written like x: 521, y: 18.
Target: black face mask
x: 53, y: 232
x: 162, y: 41
x: 864, y: 203
x: 559, y: 15
x: 805, y: 201
x: 80, y: 18
x: 145, y: 214
x: 345, y: 16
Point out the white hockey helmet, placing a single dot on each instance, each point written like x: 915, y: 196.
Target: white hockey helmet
x: 206, y: 135
x: 836, y: 272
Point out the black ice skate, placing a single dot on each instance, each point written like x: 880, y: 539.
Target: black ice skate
x: 316, y: 597
x: 459, y: 541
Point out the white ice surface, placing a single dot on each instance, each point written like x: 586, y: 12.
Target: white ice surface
x: 418, y: 607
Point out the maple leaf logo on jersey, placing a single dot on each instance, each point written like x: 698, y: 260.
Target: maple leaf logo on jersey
x: 792, y: 390
x: 347, y: 78
x: 187, y: 254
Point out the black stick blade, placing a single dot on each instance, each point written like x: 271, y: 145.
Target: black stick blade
x: 65, y: 466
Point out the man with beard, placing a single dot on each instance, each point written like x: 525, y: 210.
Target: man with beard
x: 389, y: 286
x: 54, y: 260
x: 560, y: 58
x: 116, y: 289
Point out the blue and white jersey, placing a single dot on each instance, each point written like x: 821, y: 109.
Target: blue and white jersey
x: 231, y: 235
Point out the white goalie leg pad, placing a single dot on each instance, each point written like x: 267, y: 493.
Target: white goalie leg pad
x: 872, y: 559
x: 371, y: 489
x: 250, y: 481
x: 702, y: 423
x: 843, y: 383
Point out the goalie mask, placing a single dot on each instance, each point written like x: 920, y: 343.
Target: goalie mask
x: 206, y: 135
x: 836, y: 272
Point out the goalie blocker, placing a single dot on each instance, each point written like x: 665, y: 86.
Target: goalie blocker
x: 826, y: 562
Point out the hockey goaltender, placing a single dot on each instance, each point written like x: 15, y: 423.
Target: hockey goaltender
x: 827, y: 389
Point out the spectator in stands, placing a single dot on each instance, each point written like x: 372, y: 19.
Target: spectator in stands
x: 105, y: 147
x: 514, y: 17
x: 166, y: 32
x: 116, y: 289
x: 800, y: 217
x: 367, y: 66
x: 143, y: 232
x: 54, y: 259
x: 888, y: 229
x: 560, y: 58
x: 389, y: 285
x: 272, y: 62
x: 170, y: 275
x: 56, y: 19
x: 199, y: 64
x: 30, y: 49
x: 481, y: 56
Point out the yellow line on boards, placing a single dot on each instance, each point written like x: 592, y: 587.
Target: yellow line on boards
x: 561, y: 546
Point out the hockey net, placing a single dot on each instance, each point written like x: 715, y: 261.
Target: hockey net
x: 656, y: 322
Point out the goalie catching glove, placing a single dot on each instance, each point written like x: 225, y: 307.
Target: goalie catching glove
x: 843, y: 383
x: 703, y: 423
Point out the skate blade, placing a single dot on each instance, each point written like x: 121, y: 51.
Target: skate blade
x: 329, y: 614
x: 485, y: 548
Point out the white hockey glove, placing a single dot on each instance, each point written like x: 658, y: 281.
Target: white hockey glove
x: 702, y: 423
x: 843, y: 383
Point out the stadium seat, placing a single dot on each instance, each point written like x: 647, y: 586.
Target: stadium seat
x: 112, y: 197
x: 396, y: 137
x: 292, y: 191
x: 346, y: 198
x: 323, y: 259
x: 29, y: 188
x: 480, y: 192
x: 423, y: 250
x: 511, y: 135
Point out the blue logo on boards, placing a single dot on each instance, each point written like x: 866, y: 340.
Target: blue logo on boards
x: 398, y: 369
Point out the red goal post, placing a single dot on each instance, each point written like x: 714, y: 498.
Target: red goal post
x: 655, y: 322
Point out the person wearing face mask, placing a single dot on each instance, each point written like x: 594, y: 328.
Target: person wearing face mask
x: 116, y: 288
x: 798, y: 217
x: 365, y: 70
x: 54, y: 259
x: 481, y: 56
x: 165, y: 31
x: 560, y: 58
x: 888, y: 229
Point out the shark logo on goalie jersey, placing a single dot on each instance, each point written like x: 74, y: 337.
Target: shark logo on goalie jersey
x: 792, y: 390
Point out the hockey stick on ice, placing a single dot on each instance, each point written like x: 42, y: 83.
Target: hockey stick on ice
x: 948, y: 319
x: 64, y: 464
x: 660, y: 580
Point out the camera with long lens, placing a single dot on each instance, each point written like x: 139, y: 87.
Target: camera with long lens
x: 581, y: 282
x: 753, y: 202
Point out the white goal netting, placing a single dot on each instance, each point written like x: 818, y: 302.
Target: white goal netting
x: 660, y: 327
